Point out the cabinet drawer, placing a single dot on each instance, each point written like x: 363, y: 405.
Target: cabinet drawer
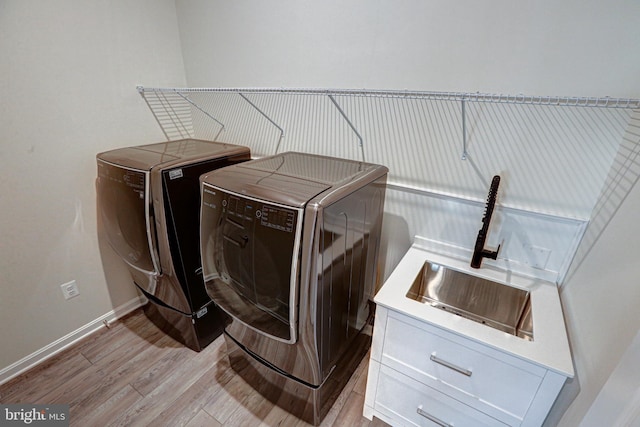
x: 459, y: 370
x: 408, y: 402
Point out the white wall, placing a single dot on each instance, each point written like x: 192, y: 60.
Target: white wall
x: 619, y: 399
x: 68, y: 76
x: 571, y: 47
x: 601, y: 300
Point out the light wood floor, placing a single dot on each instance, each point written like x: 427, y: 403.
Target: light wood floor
x: 132, y: 374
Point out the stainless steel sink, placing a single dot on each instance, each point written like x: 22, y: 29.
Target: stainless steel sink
x: 494, y: 304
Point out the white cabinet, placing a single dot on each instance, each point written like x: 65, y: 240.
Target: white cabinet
x: 431, y: 368
x: 422, y: 375
x: 408, y: 402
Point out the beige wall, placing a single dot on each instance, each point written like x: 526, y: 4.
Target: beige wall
x: 68, y: 76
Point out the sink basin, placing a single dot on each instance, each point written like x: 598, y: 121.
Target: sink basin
x: 493, y: 304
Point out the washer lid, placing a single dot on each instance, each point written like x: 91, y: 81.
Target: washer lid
x: 289, y: 178
x: 330, y: 171
x: 145, y: 157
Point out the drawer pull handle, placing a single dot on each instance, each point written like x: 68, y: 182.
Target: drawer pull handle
x: 450, y: 365
x: 432, y: 418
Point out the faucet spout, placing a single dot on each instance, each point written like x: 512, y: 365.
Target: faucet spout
x: 479, y: 251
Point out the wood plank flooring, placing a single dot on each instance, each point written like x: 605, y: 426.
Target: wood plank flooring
x: 132, y: 374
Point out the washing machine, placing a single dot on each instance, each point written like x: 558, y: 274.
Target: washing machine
x: 148, y: 207
x: 290, y: 251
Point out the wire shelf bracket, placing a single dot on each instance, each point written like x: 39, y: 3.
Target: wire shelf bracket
x: 346, y: 118
x: 186, y: 98
x: 266, y: 117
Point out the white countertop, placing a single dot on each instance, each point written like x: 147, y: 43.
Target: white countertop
x: 550, y: 346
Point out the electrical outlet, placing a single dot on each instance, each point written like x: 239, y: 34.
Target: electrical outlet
x: 70, y: 289
x: 537, y: 257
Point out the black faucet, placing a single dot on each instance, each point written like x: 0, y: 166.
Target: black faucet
x: 479, y: 251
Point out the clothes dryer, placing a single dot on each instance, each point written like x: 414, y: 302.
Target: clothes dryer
x: 289, y: 247
x: 149, y: 202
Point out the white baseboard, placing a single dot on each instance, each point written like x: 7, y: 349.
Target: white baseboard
x: 57, y: 346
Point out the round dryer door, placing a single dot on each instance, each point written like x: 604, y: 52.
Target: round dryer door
x: 123, y: 207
